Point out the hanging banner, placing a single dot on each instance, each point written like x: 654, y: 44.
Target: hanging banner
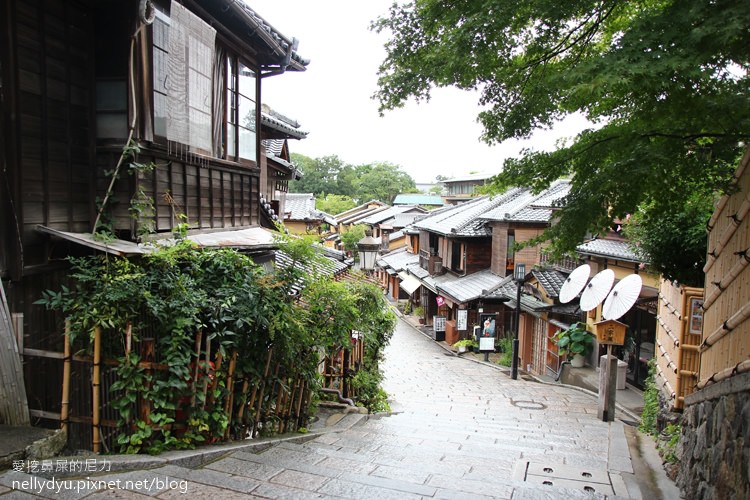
x: 440, y: 300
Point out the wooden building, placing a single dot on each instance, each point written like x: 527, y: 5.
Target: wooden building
x: 134, y: 116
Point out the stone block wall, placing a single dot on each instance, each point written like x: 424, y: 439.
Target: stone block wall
x: 716, y: 441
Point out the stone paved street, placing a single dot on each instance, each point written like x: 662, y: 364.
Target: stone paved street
x: 459, y: 429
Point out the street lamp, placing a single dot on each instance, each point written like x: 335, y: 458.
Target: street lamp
x: 519, y: 274
x: 368, y: 251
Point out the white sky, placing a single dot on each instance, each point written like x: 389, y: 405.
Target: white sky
x: 332, y: 98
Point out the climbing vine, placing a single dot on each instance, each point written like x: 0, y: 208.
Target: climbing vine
x: 224, y: 332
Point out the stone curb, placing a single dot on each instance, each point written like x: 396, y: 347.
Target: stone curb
x: 202, y: 455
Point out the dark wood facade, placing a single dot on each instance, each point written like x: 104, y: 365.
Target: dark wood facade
x: 80, y: 80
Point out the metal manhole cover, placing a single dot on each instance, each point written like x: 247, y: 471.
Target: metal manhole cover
x: 529, y: 405
x: 570, y: 477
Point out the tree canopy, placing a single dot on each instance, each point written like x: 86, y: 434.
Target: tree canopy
x: 331, y: 176
x: 663, y: 82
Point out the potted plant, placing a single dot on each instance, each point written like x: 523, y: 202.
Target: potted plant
x: 575, y: 342
x: 464, y: 344
x: 419, y: 313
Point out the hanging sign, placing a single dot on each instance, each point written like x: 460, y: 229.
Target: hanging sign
x: 440, y: 300
x: 462, y: 316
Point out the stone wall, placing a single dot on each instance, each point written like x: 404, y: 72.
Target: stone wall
x: 716, y: 441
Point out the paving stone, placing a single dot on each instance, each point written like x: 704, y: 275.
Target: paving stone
x: 244, y: 468
x: 117, y: 495
x: 349, y: 489
x: 297, y: 479
x: 270, y: 490
x: 472, y: 486
x: 213, y: 478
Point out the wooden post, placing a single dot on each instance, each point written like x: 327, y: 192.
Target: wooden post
x: 95, y: 382
x: 607, y: 386
x: 65, y: 402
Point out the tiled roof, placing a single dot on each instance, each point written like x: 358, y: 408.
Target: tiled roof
x: 358, y: 217
x: 396, y: 235
x: 618, y: 249
x: 403, y: 220
x: 281, y: 126
x: 281, y: 46
x: 398, y: 259
x: 301, y: 207
x: 473, y: 177
x: 273, y: 146
x: 417, y: 270
x: 463, y: 219
x: 515, y: 205
x: 529, y: 207
x: 385, y: 213
x: 418, y: 199
x: 550, y: 279
x: 508, y: 290
x: 470, y: 287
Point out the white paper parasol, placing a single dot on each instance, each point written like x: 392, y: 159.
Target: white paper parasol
x: 597, y: 289
x: 622, y: 297
x: 574, y: 283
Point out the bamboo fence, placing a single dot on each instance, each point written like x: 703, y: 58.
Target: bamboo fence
x: 276, y: 401
x: 725, y: 347
x: 678, y: 336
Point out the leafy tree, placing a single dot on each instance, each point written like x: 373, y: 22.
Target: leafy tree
x: 352, y: 236
x: 382, y: 181
x: 664, y: 82
x: 672, y: 234
x: 334, y: 203
x: 320, y: 176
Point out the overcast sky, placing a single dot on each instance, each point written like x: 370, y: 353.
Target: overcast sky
x: 332, y: 99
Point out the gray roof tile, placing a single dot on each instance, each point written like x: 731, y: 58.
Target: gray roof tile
x: 550, y: 279
x: 618, y: 249
x: 470, y: 287
x: 398, y: 259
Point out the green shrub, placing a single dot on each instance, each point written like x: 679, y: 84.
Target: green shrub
x: 506, y: 348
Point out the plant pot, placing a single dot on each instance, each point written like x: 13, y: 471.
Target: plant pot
x: 462, y: 348
x: 577, y: 361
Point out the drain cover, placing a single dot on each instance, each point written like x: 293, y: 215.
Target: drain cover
x: 528, y: 405
x: 571, y: 477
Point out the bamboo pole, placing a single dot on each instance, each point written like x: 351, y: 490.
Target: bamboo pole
x: 148, y: 354
x: 228, y: 404
x: 65, y: 402
x: 208, y: 372
x: 215, y: 382
x: 128, y: 339
x: 198, y: 340
x: 262, y: 384
x: 298, y: 406
x: 241, y: 409
x: 95, y: 383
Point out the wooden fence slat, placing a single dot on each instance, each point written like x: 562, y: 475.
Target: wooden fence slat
x: 14, y: 407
